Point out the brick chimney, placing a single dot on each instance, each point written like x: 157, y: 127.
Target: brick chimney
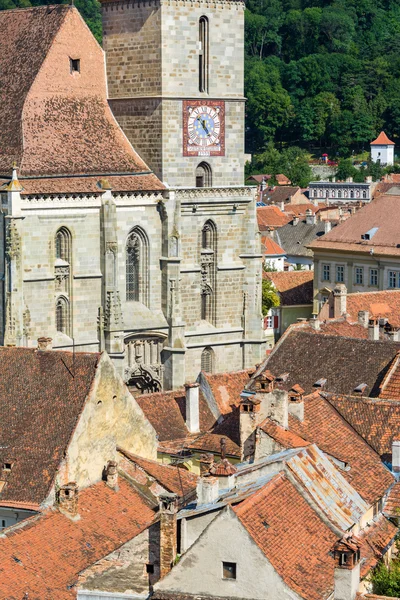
x: 45, y: 343
x: 396, y: 457
x: 207, y: 489
x: 206, y: 462
x: 373, y: 329
x: 339, y: 300
x: 192, y: 407
x: 363, y: 318
x: 168, y: 531
x: 67, y: 500
x: 347, y: 568
x: 112, y: 475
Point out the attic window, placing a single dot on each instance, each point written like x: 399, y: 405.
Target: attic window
x: 360, y: 389
x: 7, y: 466
x: 320, y: 383
x: 150, y: 569
x: 75, y: 65
x: 228, y: 570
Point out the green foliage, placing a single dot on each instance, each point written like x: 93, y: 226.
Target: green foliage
x: 269, y: 296
x: 386, y: 581
x: 292, y: 162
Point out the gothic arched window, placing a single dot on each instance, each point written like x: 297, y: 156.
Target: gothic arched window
x: 203, y: 175
x: 208, y: 271
x: 63, y: 244
x: 203, y: 54
x: 63, y: 315
x: 207, y: 360
x: 137, y: 267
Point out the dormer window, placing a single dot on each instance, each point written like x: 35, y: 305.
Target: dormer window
x: 75, y: 65
x: 7, y: 466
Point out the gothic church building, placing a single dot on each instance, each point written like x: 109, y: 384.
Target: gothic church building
x: 124, y: 220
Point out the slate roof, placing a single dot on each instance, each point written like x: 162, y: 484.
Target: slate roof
x: 308, y: 357
x: 332, y: 433
x: 294, y: 287
x: 382, y: 214
x: 271, y: 217
x: 376, y: 420
x: 42, y: 395
x: 296, y: 238
x: 66, y: 128
x: 301, y: 554
x: 43, y: 556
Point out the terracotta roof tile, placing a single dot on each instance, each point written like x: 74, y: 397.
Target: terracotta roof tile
x: 270, y: 217
x: 33, y: 564
x: 301, y: 554
x: 376, y: 420
x: 294, y: 287
x: 383, y: 304
x: 375, y: 540
x: 341, y: 327
x: 41, y: 404
x: 325, y: 427
x: 271, y: 248
x: 392, y: 504
x: 284, y: 437
x: 382, y: 140
x: 211, y: 442
x: 224, y: 388
x: 175, y: 480
x: 299, y: 210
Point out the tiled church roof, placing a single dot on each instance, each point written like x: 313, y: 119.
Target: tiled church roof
x: 52, y: 121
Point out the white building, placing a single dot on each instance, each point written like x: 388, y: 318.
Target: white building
x: 382, y: 150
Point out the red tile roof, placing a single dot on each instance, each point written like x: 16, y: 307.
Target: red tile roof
x: 43, y: 556
x: 382, y: 214
x: 325, y: 427
x: 52, y: 121
x: 270, y: 217
x: 299, y: 210
x: 284, y: 437
x: 390, y: 386
x: 211, y: 442
x: 225, y: 388
x: 172, y: 478
x: 392, y: 504
x: 376, y: 420
x: 383, y: 304
x: 382, y: 140
x: 375, y: 540
x: 294, y: 287
x: 271, y: 248
x: 295, y: 540
x: 42, y: 394
x: 340, y: 327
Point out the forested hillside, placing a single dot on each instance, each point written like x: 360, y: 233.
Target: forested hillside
x: 319, y: 73
x: 322, y: 73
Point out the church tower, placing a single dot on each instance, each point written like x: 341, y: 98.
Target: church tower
x: 175, y: 84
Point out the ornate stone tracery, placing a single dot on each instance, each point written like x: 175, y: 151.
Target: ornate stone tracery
x: 144, y: 370
x: 208, y: 272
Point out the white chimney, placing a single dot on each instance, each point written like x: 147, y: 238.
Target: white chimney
x: 339, y: 300
x: 373, y: 330
x: 363, y: 318
x: 394, y: 335
x: 396, y: 456
x: 310, y: 217
x: 328, y: 226
x: 192, y: 407
x: 282, y: 206
x: 207, y: 490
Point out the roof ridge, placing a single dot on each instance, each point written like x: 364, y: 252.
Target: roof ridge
x: 42, y: 7
x: 277, y: 480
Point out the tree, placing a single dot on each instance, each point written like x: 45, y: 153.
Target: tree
x: 345, y: 169
x: 270, y: 297
x: 386, y: 580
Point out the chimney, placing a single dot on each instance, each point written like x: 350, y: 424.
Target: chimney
x: 112, y: 475
x: 67, y: 500
x: 248, y: 419
x: 373, y: 329
x: 394, y: 335
x: 168, y: 531
x: 310, y: 217
x: 224, y: 470
x: 206, y: 462
x: 282, y: 206
x: 396, y: 456
x: 347, y: 568
x: 192, y: 407
x: 44, y: 343
x: 339, y: 300
x: 295, y: 221
x: 328, y: 226
x: 207, y: 490
x: 315, y: 324
x: 363, y: 318
x: 296, y: 402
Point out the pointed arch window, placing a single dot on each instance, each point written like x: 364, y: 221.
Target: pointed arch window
x: 137, y: 267
x: 203, y: 175
x: 63, y: 244
x: 207, y: 360
x: 203, y: 54
x: 208, y: 271
x: 63, y: 315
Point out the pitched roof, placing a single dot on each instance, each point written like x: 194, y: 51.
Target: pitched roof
x: 271, y: 248
x: 343, y: 363
x: 280, y: 178
x: 301, y: 554
x: 294, y: 287
x: 33, y: 564
x: 390, y: 386
x: 172, y: 478
x: 381, y: 214
x: 375, y: 540
x: 392, y: 504
x: 325, y: 427
x: 295, y: 239
x: 285, y: 437
x: 166, y: 411
x: 376, y: 420
x: 382, y: 140
x: 271, y: 217
x: 341, y: 327
x: 42, y: 394
x: 57, y: 124
x: 223, y: 389
x: 383, y: 304
x: 280, y: 193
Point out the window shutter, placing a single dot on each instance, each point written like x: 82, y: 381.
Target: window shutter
x: 276, y: 322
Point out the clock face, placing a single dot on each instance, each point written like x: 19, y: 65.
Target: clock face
x: 203, y: 128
